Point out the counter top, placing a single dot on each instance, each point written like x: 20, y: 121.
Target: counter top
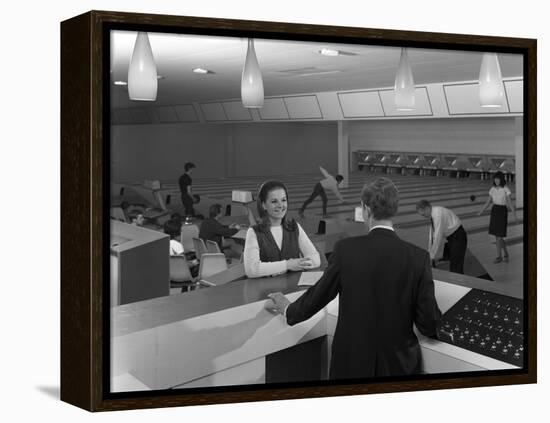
x: 144, y: 315
x: 125, y: 236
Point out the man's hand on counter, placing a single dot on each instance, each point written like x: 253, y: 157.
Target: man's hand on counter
x: 277, y: 303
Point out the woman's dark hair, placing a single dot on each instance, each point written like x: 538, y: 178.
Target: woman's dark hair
x: 263, y: 192
x: 214, y: 210
x: 172, y: 228
x: 382, y: 197
x: 189, y: 165
x: 500, y: 176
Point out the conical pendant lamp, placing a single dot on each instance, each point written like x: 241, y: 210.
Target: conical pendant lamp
x: 491, y: 88
x: 252, y: 86
x: 142, y: 72
x: 404, y: 84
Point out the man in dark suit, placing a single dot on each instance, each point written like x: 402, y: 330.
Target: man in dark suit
x: 384, y: 284
x: 213, y: 230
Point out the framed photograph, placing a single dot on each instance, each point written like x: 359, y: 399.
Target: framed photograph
x: 255, y: 211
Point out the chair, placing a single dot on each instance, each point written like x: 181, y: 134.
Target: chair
x: 118, y: 214
x: 212, y: 247
x: 188, y: 232
x: 180, y: 274
x: 199, y: 247
x: 211, y: 263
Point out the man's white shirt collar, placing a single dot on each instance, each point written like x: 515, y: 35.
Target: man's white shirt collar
x: 383, y: 227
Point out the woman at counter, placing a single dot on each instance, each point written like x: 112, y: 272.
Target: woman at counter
x: 277, y: 244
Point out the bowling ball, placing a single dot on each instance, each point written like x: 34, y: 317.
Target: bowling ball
x: 472, y: 198
x: 196, y: 198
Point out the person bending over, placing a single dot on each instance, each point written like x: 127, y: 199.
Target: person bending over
x: 329, y: 182
x: 276, y: 244
x: 385, y: 287
x: 444, y: 223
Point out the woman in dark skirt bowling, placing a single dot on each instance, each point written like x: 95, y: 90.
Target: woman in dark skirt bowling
x: 500, y: 196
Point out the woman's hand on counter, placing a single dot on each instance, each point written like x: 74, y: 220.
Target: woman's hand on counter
x: 298, y: 264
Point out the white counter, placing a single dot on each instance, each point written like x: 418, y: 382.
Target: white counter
x: 166, y: 349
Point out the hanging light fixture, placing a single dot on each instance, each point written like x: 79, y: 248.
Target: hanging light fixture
x: 404, y: 84
x: 491, y: 88
x: 142, y: 72
x: 252, y: 86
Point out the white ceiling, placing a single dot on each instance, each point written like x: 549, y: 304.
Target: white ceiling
x: 288, y: 67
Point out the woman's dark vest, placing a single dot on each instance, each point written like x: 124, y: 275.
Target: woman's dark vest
x: 268, y: 247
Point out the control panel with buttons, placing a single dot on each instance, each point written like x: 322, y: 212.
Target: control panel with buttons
x: 486, y: 323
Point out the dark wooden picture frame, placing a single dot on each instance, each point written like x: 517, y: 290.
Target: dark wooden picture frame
x: 84, y: 346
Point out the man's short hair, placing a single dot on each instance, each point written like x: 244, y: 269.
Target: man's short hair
x: 214, y: 210
x: 423, y: 205
x: 382, y: 197
x: 176, y: 217
x: 339, y: 178
x: 189, y: 165
x: 172, y: 228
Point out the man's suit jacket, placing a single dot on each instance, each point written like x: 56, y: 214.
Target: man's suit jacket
x: 385, y: 285
x: 213, y: 230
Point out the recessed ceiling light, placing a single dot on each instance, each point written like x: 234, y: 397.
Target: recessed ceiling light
x: 329, y: 52
x: 202, y: 71
x: 332, y: 53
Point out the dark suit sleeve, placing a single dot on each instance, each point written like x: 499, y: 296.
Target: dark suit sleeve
x: 427, y: 313
x: 222, y: 230
x: 319, y: 295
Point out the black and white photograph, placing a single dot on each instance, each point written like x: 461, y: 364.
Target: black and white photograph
x: 288, y: 212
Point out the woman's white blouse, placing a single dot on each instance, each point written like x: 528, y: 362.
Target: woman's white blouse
x: 498, y: 195
x: 254, y: 268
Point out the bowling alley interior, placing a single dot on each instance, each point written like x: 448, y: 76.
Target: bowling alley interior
x: 232, y: 113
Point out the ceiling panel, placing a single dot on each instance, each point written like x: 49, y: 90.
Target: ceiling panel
x: 514, y: 93
x: 273, y: 109
x: 303, y: 107
x: 361, y: 104
x: 463, y: 99
x: 422, y: 103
